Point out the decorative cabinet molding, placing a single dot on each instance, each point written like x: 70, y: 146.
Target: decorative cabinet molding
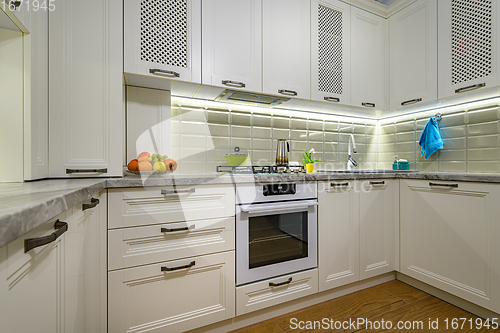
x: 413, y: 54
x: 163, y: 39
x: 86, y: 102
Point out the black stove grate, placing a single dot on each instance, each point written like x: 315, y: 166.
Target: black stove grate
x: 260, y: 169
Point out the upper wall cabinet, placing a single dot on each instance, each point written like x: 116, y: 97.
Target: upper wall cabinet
x: 330, y: 51
x: 163, y: 38
x: 232, y: 44
x: 286, y: 47
x: 469, y: 45
x: 413, y: 54
x: 86, y: 108
x: 369, y: 60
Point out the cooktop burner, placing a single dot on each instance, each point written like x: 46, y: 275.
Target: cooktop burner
x: 261, y: 169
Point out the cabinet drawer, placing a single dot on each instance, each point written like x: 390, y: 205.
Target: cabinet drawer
x: 145, y: 206
x: 149, y: 299
x: 261, y: 295
x: 146, y: 245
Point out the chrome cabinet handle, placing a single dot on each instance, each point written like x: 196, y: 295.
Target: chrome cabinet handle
x: 332, y: 99
x: 443, y: 185
x: 377, y: 183
x: 177, y: 229
x: 271, y: 284
x: 191, y: 190
x: 93, y: 203
x: 469, y: 88
x: 31, y: 243
x: 169, y: 269
x: 233, y: 83
x: 411, y: 101
x: 277, y: 208
x: 339, y: 184
x: 70, y: 171
x: 370, y: 105
x: 164, y: 72
x: 287, y: 92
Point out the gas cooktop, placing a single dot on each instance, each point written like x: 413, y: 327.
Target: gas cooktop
x: 266, y: 169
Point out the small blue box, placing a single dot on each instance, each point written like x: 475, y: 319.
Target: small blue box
x: 404, y: 165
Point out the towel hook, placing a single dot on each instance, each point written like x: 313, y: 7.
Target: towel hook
x: 438, y: 116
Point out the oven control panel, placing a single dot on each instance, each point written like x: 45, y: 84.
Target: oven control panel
x: 279, y: 189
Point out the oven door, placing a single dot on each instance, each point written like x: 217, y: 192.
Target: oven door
x: 274, y: 239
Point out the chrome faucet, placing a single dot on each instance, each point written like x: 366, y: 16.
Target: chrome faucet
x: 351, y: 163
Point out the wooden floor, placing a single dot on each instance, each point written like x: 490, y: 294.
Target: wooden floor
x: 393, y: 301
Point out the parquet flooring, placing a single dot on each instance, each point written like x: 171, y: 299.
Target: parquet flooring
x: 392, y: 302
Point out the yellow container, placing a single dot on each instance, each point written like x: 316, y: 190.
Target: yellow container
x: 309, y: 167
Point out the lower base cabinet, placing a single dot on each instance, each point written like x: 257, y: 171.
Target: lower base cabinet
x: 449, y: 238
x: 173, y: 296
x: 263, y: 294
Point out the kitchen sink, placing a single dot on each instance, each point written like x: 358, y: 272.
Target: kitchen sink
x: 364, y: 171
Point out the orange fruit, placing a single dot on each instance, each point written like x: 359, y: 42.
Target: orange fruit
x: 144, y: 157
x: 133, y: 165
x: 145, y: 166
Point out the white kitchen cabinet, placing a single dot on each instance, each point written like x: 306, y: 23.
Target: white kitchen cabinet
x: 338, y: 234
x: 232, y: 44
x: 378, y: 227
x: 86, y: 105
x: 331, y: 51
x: 468, y: 46
x: 173, y: 296
x: 23, y: 10
x: 449, y: 238
x: 369, y: 60
x: 413, y: 54
x: 286, y: 47
x: 57, y: 287
x: 163, y: 39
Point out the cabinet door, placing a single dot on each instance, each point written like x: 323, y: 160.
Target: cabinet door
x: 449, y: 238
x: 378, y: 227
x: 330, y: 51
x: 232, y: 44
x: 338, y: 234
x: 32, y: 284
x: 85, y: 97
x: 369, y: 61
x: 22, y: 10
x: 413, y: 54
x: 469, y: 45
x: 286, y: 47
x: 163, y: 39
x: 197, y: 291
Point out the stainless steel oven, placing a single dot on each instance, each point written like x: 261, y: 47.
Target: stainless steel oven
x: 276, y: 230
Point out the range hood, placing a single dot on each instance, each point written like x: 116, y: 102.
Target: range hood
x: 245, y: 98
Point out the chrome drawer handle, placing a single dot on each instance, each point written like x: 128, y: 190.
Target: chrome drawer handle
x: 169, y: 269
x: 339, y: 184
x: 164, y: 72
x: 370, y: 105
x: 469, y: 88
x: 233, y: 83
x: 93, y: 203
x: 287, y: 92
x: 377, y: 183
x: 444, y: 185
x: 177, y: 229
x: 332, y: 99
x: 271, y: 284
x: 411, y: 101
x: 31, y: 243
x: 71, y: 171
x: 191, y: 190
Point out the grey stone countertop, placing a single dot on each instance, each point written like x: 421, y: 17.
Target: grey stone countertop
x: 24, y: 206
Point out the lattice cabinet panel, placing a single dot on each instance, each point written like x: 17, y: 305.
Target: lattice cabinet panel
x: 163, y: 39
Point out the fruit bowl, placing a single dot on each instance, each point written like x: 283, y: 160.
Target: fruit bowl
x: 149, y: 173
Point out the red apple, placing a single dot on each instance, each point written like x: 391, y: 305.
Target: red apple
x: 171, y: 164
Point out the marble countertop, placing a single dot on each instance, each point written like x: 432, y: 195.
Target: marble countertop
x: 24, y: 206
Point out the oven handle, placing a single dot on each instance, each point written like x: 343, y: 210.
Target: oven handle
x: 257, y: 210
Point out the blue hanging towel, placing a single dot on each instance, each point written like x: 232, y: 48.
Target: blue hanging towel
x: 430, y: 140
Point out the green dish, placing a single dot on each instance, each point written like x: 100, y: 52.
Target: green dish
x: 236, y: 159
